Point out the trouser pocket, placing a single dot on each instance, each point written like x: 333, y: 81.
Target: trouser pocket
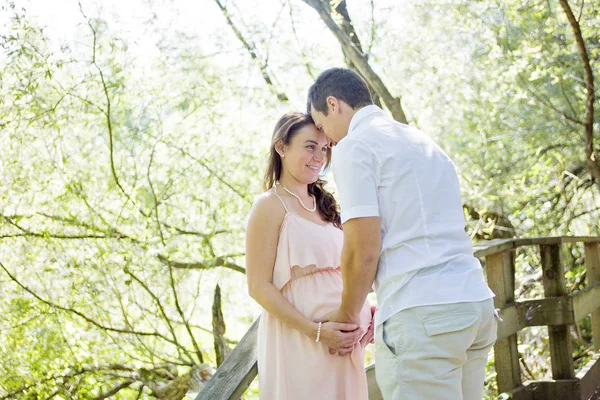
x: 447, y: 323
x: 387, y: 336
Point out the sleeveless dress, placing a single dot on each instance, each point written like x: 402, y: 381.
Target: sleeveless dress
x: 307, y: 272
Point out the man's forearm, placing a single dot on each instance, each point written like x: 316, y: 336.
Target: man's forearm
x: 358, y: 273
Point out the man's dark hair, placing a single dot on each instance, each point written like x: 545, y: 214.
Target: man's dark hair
x: 343, y: 84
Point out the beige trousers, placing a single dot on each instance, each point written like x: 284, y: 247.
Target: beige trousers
x: 435, y: 352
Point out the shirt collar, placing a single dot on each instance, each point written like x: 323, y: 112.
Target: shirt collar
x: 362, y: 114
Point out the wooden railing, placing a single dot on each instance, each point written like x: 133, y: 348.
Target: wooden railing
x: 557, y: 310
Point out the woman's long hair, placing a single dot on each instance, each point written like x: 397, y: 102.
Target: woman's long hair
x: 284, y: 131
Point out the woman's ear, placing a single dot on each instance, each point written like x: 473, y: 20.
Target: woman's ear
x: 280, y: 147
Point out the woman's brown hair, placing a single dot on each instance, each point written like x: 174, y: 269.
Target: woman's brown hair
x: 285, y: 129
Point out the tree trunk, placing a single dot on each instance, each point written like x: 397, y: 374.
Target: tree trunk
x: 348, y: 39
x: 592, y: 160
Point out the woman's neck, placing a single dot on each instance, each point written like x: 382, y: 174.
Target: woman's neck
x: 291, y: 184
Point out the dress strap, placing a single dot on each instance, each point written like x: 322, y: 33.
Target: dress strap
x: 274, y: 191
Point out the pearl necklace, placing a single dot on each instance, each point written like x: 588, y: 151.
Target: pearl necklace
x: 299, y: 199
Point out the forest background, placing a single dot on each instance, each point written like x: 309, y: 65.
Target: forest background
x: 134, y: 135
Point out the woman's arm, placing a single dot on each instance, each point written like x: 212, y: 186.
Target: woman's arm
x: 262, y: 236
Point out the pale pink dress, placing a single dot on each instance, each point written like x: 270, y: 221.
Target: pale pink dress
x: 290, y: 364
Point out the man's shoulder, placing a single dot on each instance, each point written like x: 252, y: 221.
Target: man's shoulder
x: 381, y: 124
x: 354, y: 145
x: 382, y: 135
x: 388, y: 131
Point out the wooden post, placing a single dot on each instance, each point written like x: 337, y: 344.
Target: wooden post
x: 500, y: 269
x: 592, y: 264
x: 237, y: 371
x: 561, y: 350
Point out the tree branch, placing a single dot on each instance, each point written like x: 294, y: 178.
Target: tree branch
x: 80, y: 314
x: 251, y: 47
x: 546, y: 102
x: 107, y: 112
x: 218, y: 322
x: 582, y: 213
x: 305, y: 58
x: 109, y: 233
x: 194, y: 233
x: 372, y: 41
x: 27, y: 233
x: 218, y: 262
x: 158, y: 226
x: 144, y: 347
x: 359, y: 59
x: 114, y: 390
x: 503, y: 228
x: 342, y: 10
x: 162, y: 311
x: 592, y: 159
x: 140, y: 392
x: 182, y: 315
x: 73, y: 372
x: 212, y: 173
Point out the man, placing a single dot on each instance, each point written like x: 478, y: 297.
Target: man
x: 404, y: 233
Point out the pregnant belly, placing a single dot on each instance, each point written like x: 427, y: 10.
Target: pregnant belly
x: 318, y: 294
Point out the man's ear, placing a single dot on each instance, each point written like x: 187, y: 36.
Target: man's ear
x: 333, y: 104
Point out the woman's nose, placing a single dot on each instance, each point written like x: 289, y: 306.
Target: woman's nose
x: 320, y: 155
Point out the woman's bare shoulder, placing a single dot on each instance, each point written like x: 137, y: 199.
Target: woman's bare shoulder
x: 268, y: 208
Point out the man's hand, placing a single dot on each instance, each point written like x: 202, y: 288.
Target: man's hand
x: 337, y: 335
x: 339, y: 316
x: 346, y: 320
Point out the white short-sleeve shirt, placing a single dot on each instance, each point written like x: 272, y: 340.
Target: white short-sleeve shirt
x: 393, y: 171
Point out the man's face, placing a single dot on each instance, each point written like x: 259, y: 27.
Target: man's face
x: 330, y: 124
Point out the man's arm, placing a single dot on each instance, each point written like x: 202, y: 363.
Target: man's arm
x: 360, y: 254
x: 356, y: 170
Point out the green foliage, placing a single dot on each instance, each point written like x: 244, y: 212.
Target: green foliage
x: 130, y: 160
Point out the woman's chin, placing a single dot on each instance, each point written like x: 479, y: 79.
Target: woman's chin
x: 309, y: 178
x: 313, y: 176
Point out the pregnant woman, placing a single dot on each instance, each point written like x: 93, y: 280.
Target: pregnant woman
x: 293, y: 250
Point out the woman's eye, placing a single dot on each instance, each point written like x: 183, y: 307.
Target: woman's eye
x: 312, y: 147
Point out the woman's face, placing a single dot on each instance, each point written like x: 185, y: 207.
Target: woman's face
x: 306, y: 154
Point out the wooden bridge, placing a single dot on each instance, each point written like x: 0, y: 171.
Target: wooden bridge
x: 558, y: 310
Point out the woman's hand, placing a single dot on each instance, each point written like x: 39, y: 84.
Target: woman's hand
x: 369, y: 337
x: 338, y: 335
